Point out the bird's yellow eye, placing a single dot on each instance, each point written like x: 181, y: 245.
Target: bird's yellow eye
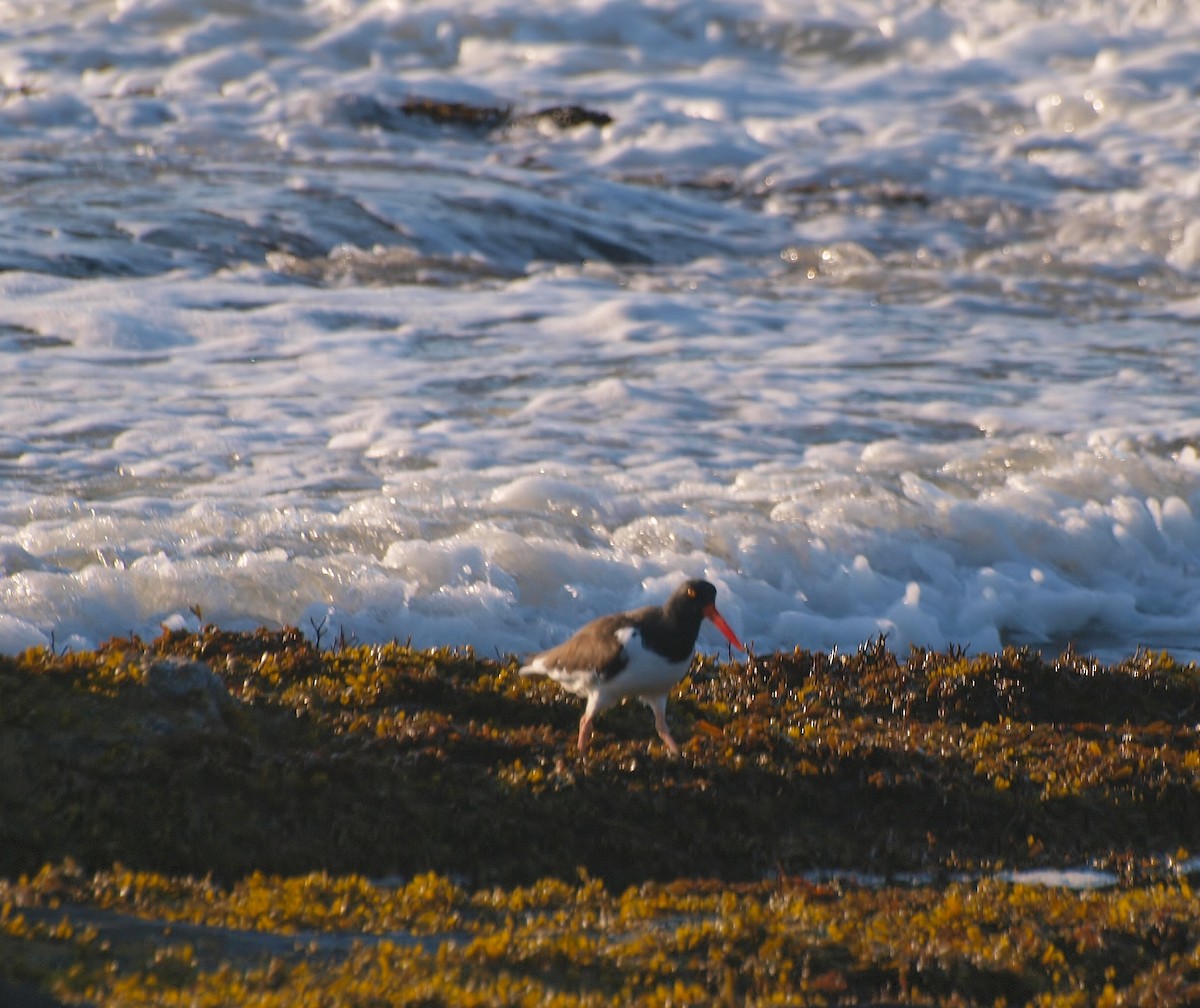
x: 691, y: 593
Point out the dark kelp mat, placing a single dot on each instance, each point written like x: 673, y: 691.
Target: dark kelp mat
x: 368, y: 825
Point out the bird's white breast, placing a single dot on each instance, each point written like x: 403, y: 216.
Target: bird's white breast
x: 646, y: 674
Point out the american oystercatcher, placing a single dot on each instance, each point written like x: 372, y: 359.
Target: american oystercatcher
x: 641, y: 653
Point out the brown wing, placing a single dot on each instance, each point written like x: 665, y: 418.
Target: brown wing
x: 595, y: 646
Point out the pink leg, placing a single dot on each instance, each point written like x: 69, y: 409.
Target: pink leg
x: 585, y: 732
x: 585, y: 723
x: 658, y: 704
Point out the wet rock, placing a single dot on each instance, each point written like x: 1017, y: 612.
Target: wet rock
x: 196, y: 693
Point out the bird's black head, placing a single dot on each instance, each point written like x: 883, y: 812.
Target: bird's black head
x: 693, y: 596
x: 692, y: 602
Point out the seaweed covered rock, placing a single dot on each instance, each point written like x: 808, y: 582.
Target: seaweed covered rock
x: 220, y: 818
x: 231, y: 753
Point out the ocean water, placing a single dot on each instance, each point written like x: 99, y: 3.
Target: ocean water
x: 884, y: 317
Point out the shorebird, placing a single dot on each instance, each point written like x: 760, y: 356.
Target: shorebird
x: 641, y: 653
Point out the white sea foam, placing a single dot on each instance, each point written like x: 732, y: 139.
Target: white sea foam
x: 1079, y: 879
x: 884, y: 321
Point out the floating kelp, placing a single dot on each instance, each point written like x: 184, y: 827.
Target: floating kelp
x: 368, y: 111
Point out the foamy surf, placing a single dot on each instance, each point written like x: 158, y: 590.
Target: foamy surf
x: 882, y: 324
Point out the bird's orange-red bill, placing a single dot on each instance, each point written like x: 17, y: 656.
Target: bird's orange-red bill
x: 719, y: 622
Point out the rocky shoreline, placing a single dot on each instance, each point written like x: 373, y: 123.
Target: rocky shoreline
x: 424, y: 815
